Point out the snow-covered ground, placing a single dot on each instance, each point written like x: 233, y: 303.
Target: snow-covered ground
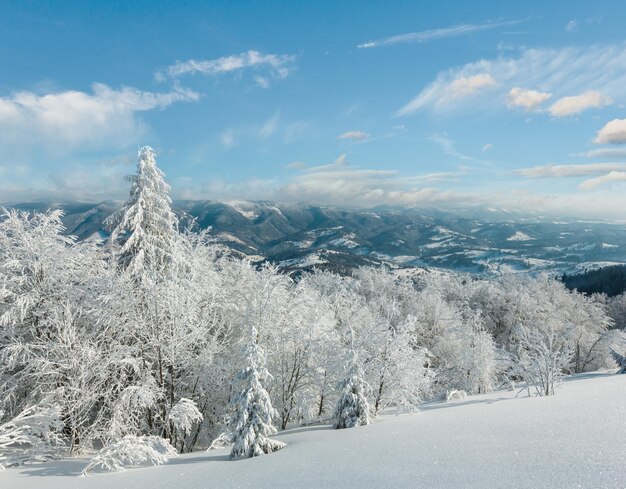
x: 574, y: 439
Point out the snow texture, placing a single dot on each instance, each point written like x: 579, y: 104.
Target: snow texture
x: 570, y: 440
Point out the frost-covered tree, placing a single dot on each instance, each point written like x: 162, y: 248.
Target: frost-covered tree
x: 479, y: 360
x: 616, y: 309
x: 298, y: 353
x: 543, y: 355
x: 251, y: 414
x: 145, y: 227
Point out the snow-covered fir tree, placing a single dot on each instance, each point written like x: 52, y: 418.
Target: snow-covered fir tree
x: 352, y: 407
x: 250, y: 420
x: 145, y: 227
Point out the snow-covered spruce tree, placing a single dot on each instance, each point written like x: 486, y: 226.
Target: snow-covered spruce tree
x: 145, y: 227
x: 352, y: 407
x: 620, y: 360
x: 251, y: 415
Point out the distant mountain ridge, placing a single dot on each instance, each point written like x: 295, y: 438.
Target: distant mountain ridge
x: 302, y: 236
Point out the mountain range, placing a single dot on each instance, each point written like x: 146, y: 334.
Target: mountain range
x: 302, y: 236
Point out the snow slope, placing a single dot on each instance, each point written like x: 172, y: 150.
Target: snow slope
x: 574, y: 439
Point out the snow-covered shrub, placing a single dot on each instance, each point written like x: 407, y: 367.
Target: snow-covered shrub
x: 455, y: 395
x: 543, y: 357
x: 29, y: 437
x: 132, y: 450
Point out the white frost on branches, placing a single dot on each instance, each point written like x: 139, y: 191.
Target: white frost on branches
x: 184, y: 415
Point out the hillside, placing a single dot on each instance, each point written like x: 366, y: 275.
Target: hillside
x: 302, y: 236
x: 573, y: 439
x: 609, y: 280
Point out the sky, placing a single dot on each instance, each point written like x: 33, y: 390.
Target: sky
x: 514, y: 105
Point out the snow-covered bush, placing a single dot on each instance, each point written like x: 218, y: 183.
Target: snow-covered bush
x: 132, y: 450
x: 455, y: 395
x: 543, y: 357
x: 30, y: 436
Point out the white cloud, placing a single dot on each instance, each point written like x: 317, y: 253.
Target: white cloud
x: 593, y: 183
x: 88, y: 181
x: 487, y: 147
x: 446, y: 93
x: 559, y: 171
x: 560, y: 72
x: 269, y: 127
x: 464, y: 87
x: 433, y: 34
x: 448, y: 146
x: 340, y: 183
x: 571, y: 26
x: 575, y: 105
x: 262, y: 81
x: 613, y: 132
x: 354, y: 135
x: 74, y: 119
x: 526, y: 99
x: 605, y: 153
x: 278, y: 65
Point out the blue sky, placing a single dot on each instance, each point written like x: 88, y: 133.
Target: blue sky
x: 504, y: 104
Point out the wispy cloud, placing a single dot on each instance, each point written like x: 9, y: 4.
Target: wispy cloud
x: 449, y: 93
x: 341, y: 183
x: 448, y: 146
x: 605, y: 153
x: 74, y: 119
x: 613, y: 132
x: 575, y: 105
x: 354, y: 136
x: 89, y: 181
x: 562, y: 72
x: 269, y: 126
x: 434, y: 34
x: 593, y: 183
x: 275, y: 65
x: 560, y: 171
